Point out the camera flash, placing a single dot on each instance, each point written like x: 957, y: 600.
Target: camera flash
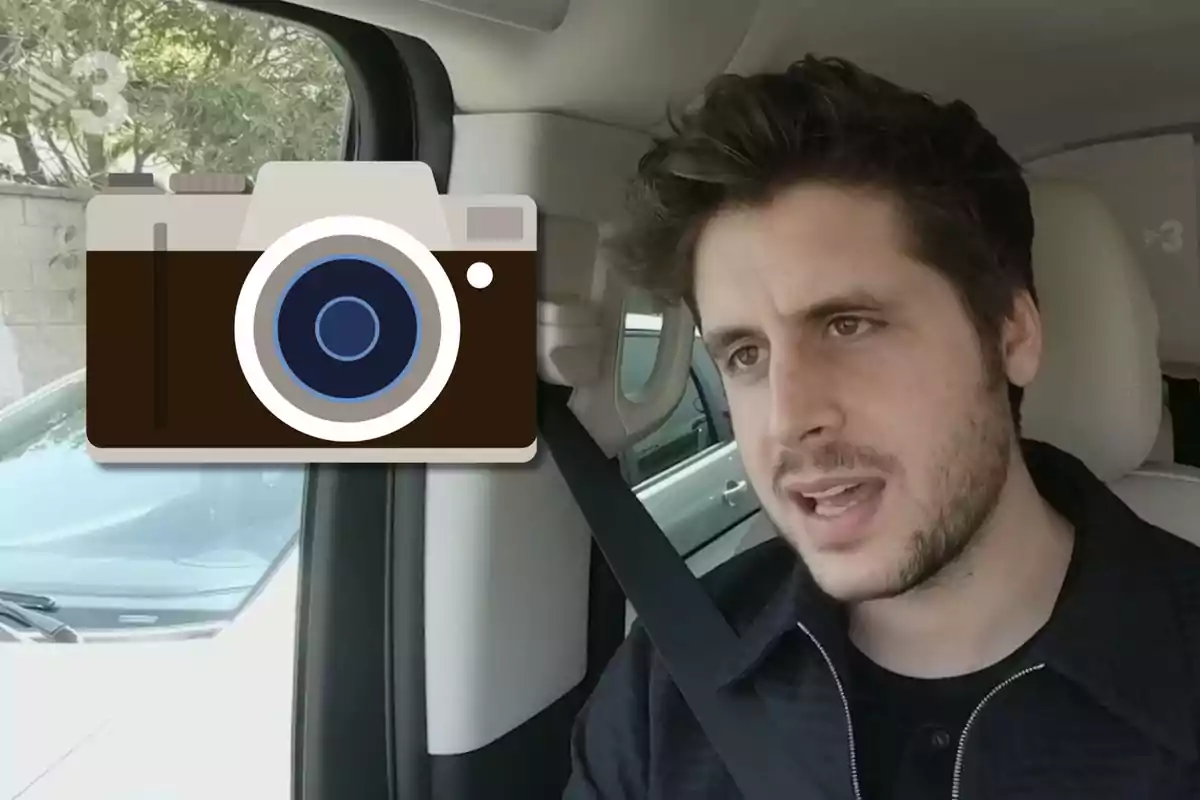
x: 479, y: 275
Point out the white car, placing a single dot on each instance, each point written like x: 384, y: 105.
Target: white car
x: 141, y: 720
x: 147, y: 700
x: 114, y: 550
x: 687, y: 472
x: 181, y: 583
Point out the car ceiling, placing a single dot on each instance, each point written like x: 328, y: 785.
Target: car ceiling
x: 1042, y: 74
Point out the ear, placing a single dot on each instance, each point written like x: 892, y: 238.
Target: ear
x: 1021, y: 340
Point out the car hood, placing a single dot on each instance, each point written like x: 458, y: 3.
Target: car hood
x: 183, y: 720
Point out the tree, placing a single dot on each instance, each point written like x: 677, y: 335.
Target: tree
x: 208, y: 88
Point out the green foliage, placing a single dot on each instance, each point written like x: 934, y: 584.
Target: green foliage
x: 210, y: 88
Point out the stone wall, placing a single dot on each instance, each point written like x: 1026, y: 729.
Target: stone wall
x: 43, y: 303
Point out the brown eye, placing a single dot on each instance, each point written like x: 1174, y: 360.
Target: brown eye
x: 744, y: 357
x: 848, y: 326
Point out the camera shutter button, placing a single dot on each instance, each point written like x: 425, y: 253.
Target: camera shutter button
x: 210, y: 183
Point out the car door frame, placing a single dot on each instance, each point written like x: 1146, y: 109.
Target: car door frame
x: 401, y: 109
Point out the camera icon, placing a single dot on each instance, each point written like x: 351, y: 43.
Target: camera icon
x: 332, y: 311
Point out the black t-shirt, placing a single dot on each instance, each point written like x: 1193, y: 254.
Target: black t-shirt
x: 907, y: 730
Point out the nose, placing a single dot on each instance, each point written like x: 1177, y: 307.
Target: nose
x: 804, y: 403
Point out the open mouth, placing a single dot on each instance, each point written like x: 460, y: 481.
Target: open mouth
x: 835, y: 500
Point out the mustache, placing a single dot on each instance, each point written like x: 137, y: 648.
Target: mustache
x: 829, y: 457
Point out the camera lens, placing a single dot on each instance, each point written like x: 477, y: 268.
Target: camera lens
x: 347, y: 328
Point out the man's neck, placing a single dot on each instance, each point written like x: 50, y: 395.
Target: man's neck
x: 987, y: 604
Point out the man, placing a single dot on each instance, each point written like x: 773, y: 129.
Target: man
x: 970, y: 614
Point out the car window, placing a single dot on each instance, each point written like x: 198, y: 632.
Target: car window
x: 134, y: 558
x: 709, y: 376
x: 693, y: 427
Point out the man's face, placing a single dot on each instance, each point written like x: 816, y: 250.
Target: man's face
x: 869, y: 423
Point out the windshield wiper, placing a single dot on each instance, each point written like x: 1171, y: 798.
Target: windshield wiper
x: 33, y: 602
x: 44, y: 624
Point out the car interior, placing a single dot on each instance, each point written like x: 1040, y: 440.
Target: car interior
x: 452, y: 620
x: 509, y: 644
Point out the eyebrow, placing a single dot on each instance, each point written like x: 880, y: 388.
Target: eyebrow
x: 853, y: 302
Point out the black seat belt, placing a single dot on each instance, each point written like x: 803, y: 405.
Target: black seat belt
x: 681, y: 620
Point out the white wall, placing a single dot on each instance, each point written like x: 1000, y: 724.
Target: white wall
x: 43, y: 304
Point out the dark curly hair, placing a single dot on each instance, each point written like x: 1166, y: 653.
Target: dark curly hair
x: 963, y: 199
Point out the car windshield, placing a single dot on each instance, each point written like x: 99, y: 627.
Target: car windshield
x: 65, y: 428
x: 134, y: 545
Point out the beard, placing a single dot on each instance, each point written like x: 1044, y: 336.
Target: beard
x: 973, y: 470
x: 967, y: 489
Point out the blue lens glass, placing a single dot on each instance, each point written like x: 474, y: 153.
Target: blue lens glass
x: 347, y: 328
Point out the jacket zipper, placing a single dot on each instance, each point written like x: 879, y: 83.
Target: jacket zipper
x: 956, y: 787
x: 845, y: 707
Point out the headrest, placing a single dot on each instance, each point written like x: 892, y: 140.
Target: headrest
x: 1098, y: 394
